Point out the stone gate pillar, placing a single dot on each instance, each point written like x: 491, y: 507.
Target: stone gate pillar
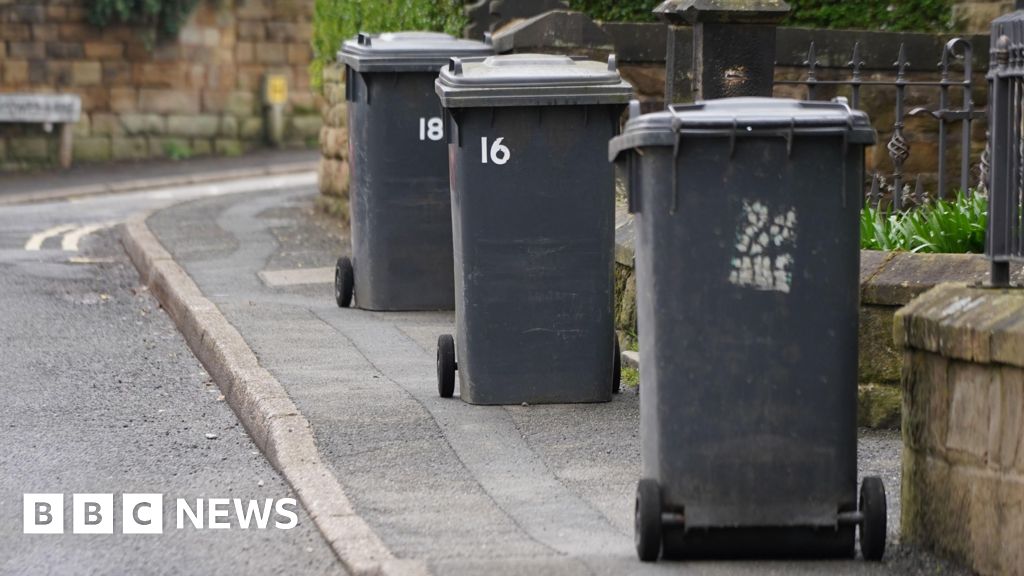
x: 732, y: 52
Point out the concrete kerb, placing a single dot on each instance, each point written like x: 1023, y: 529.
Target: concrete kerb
x: 263, y: 407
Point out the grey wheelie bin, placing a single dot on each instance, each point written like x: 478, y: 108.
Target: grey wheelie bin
x: 533, y: 210
x: 400, y: 206
x: 747, y: 261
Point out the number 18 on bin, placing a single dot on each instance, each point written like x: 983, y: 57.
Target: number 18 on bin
x: 432, y: 128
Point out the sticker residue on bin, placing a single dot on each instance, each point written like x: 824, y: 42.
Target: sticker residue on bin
x: 765, y: 242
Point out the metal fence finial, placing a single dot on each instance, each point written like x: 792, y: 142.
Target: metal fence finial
x: 957, y: 54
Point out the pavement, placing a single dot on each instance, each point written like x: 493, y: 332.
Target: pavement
x: 97, y: 179
x: 451, y: 488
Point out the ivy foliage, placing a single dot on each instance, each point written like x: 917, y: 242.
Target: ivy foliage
x: 895, y: 15
x: 164, y: 17
x: 617, y: 10
x: 335, y: 21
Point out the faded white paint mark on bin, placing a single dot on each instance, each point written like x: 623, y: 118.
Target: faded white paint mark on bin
x: 765, y: 243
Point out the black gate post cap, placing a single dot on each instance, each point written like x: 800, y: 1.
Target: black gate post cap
x: 681, y: 12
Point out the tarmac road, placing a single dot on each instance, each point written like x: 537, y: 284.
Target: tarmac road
x: 101, y: 395
x: 469, y: 490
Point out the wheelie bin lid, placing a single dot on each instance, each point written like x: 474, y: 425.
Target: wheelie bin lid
x: 406, y: 51
x: 530, y: 80
x: 742, y: 118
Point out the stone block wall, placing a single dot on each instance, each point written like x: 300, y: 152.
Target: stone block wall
x: 963, y: 425
x: 889, y: 281
x: 198, y: 94
x: 334, y: 170
x: 977, y: 15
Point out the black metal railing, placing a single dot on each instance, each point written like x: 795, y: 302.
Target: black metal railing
x: 898, y: 147
x: 1006, y: 145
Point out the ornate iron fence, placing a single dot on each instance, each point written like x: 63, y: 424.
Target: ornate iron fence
x: 947, y: 114
x: 1006, y: 145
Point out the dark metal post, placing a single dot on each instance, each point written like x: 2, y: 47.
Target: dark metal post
x: 899, y: 148
x: 733, y: 50
x: 1006, y: 146
x: 999, y: 133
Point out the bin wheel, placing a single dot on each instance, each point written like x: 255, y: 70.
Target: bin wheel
x: 344, y: 282
x: 873, y: 528
x: 617, y: 369
x: 647, y: 520
x: 446, y: 366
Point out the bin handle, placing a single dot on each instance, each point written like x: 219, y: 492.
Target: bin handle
x: 732, y: 138
x: 634, y: 109
x: 788, y: 133
x: 790, y: 136
x: 364, y: 39
x: 455, y: 66
x: 675, y: 174
x: 348, y: 84
x: 632, y: 201
x: 846, y: 152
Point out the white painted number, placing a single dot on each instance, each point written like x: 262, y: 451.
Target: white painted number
x: 499, y: 154
x: 431, y: 128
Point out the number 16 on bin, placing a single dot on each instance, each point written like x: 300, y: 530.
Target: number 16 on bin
x: 497, y: 153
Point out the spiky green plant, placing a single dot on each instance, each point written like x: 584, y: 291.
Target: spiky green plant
x: 955, y: 226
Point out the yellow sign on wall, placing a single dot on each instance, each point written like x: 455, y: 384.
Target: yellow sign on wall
x: 276, y: 92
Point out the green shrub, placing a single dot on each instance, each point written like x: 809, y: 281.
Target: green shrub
x: 955, y: 226
x: 177, y: 151
x: 630, y: 377
x: 916, y: 15
x: 335, y: 21
x: 164, y: 17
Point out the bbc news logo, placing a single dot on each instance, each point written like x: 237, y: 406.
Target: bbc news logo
x: 144, y: 514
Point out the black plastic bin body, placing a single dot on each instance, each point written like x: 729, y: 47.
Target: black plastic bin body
x: 533, y: 210
x: 400, y: 205
x: 747, y: 264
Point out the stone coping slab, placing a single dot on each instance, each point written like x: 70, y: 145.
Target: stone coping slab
x: 978, y: 325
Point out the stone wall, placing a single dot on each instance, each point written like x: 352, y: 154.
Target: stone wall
x: 199, y: 94
x: 334, y: 171
x: 977, y: 15
x: 889, y: 281
x: 963, y: 425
